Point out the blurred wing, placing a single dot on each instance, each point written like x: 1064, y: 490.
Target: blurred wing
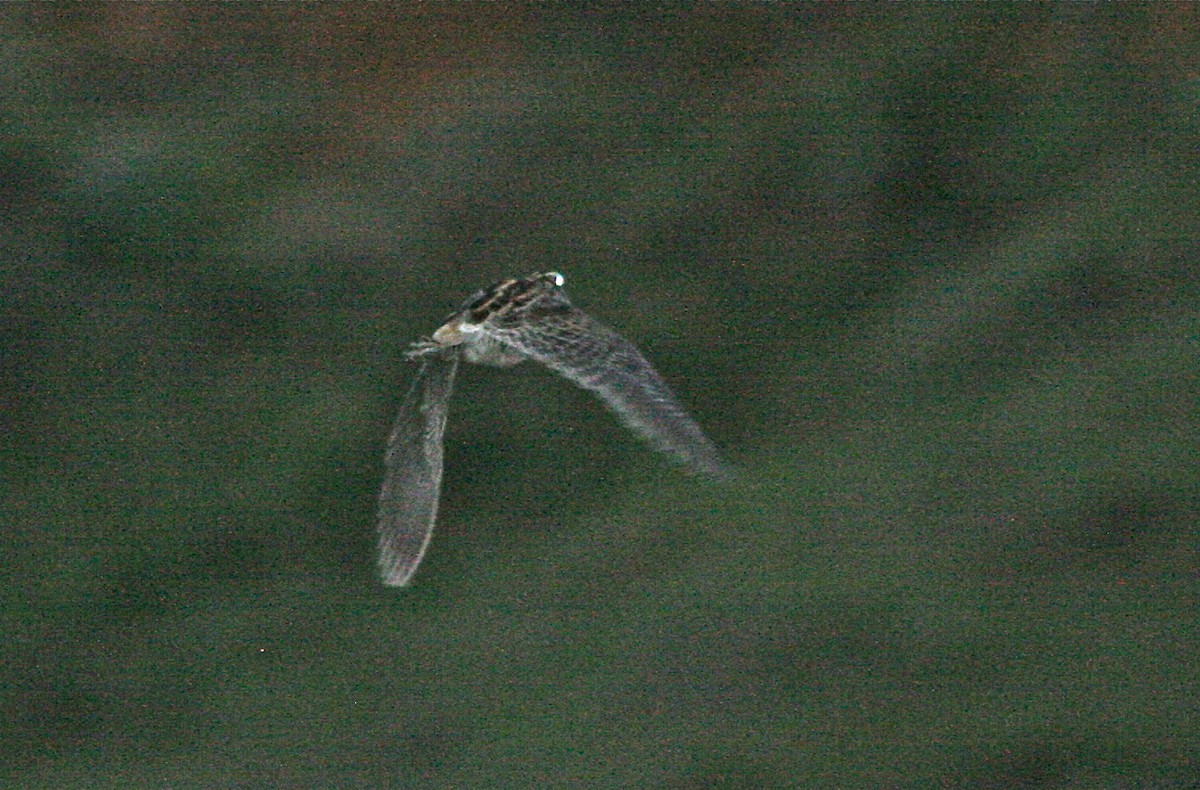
x: 412, y: 482
x: 596, y: 358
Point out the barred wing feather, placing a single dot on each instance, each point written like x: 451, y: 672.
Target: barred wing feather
x: 587, y: 352
x: 412, y: 482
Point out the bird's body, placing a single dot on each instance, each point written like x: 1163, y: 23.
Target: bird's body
x: 514, y: 320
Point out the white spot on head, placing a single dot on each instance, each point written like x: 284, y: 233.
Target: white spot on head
x: 557, y: 278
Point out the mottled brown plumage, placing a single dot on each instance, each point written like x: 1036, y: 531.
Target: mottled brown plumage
x: 513, y: 320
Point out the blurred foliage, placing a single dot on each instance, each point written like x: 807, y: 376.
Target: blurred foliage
x: 927, y: 273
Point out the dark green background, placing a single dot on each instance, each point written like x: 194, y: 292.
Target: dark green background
x: 926, y: 274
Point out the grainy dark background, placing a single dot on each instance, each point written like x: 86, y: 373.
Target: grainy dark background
x: 928, y: 275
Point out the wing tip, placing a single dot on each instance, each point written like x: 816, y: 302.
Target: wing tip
x: 715, y: 469
x: 395, y: 576
x: 398, y: 563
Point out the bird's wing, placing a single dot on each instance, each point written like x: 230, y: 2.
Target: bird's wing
x: 412, y: 482
x: 587, y: 352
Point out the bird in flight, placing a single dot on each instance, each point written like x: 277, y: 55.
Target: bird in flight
x: 513, y: 320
